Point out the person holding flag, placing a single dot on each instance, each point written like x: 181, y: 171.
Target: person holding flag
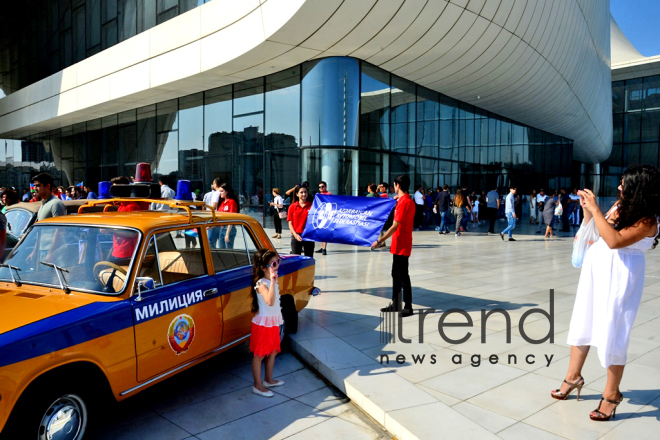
x: 401, y: 248
x: 323, y: 189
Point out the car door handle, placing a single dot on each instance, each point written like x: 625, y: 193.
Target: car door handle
x: 210, y: 292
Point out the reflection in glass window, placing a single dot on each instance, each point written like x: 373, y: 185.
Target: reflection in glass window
x: 330, y: 101
x: 634, y: 95
x: 618, y: 96
x: 652, y: 93
x: 337, y: 167
x: 651, y: 126
x: 218, y: 120
x: 403, y: 103
x: 632, y: 126
x: 248, y: 97
x: 283, y: 109
x: 374, y: 108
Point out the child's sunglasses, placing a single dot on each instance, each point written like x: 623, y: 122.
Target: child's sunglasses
x: 274, y: 264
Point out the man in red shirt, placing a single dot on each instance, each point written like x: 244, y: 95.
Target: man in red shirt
x: 323, y: 189
x: 401, y: 233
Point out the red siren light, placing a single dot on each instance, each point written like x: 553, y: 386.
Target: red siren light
x: 143, y: 172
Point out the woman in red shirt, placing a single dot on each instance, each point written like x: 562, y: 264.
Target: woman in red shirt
x: 297, y: 218
x: 228, y: 203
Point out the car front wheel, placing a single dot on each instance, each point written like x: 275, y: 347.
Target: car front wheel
x: 65, y: 419
x: 50, y: 413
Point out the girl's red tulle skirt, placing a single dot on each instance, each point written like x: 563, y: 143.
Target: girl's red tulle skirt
x: 264, y: 340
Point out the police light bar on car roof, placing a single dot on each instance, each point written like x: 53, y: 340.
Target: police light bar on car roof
x: 136, y: 191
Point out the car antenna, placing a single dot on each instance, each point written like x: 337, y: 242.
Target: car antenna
x: 10, y: 267
x: 60, y: 275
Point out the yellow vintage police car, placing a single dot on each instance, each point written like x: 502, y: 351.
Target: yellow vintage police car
x: 111, y: 303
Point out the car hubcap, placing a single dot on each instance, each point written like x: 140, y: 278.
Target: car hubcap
x: 65, y: 419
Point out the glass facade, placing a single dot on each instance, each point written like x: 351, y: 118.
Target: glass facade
x: 55, y: 34
x: 335, y: 119
x: 636, y: 123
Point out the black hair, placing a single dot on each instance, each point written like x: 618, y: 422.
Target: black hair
x: 44, y: 179
x: 121, y: 180
x: 217, y: 182
x: 640, y: 197
x: 260, y: 260
x: 305, y: 184
x: 403, y: 181
x: 445, y: 186
x: 324, y: 184
x: 163, y: 180
x: 231, y: 194
x: 418, y: 187
x: 372, y: 187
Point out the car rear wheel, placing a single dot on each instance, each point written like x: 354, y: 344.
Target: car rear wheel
x: 289, y: 313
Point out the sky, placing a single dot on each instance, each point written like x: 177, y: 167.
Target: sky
x: 639, y: 20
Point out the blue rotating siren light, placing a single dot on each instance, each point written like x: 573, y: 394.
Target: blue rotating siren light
x: 104, y: 190
x: 183, y: 190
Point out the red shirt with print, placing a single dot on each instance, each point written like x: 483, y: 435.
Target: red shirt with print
x: 404, y: 214
x: 128, y: 207
x: 297, y: 215
x: 228, y: 205
x: 123, y: 245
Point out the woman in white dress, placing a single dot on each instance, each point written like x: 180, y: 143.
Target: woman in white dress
x: 611, y: 283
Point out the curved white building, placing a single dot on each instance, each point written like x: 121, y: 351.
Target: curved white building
x: 541, y: 69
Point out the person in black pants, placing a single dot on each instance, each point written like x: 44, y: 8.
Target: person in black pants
x: 492, y: 206
x: 297, y: 219
x: 564, y: 199
x: 401, y: 248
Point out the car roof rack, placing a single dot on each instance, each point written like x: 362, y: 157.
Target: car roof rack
x: 174, y: 204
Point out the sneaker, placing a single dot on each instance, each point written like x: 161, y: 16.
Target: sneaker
x: 512, y: 239
x: 406, y: 312
x: 502, y: 236
x: 323, y: 251
x: 538, y: 232
x: 319, y: 251
x: 458, y: 234
x: 389, y: 308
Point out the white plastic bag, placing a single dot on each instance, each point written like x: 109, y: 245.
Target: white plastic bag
x: 585, y: 237
x: 559, y: 210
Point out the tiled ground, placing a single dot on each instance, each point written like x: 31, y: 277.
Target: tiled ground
x: 214, y: 400
x: 339, y: 335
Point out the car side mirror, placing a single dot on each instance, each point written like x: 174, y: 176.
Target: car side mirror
x: 143, y: 283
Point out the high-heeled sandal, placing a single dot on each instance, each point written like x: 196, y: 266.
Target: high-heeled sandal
x: 600, y: 416
x: 557, y: 394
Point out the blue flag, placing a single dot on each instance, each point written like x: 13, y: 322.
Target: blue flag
x: 347, y: 219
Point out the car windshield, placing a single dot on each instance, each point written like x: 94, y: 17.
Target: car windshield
x: 73, y: 257
x: 18, y: 220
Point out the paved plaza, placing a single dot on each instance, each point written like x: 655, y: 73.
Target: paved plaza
x: 214, y: 400
x: 339, y: 335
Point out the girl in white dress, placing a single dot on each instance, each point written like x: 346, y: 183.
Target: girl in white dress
x: 611, y: 283
x: 265, y: 336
